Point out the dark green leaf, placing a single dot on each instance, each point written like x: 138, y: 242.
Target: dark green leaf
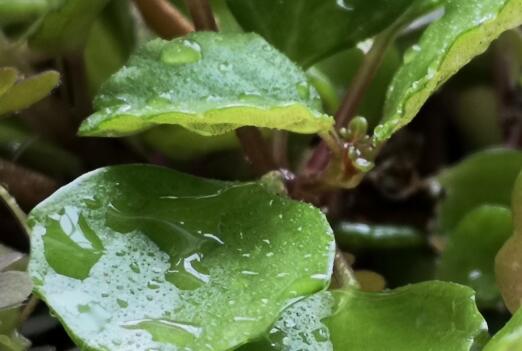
x: 469, y: 257
x: 465, y: 31
x: 209, y: 83
x: 508, y: 338
x: 421, y: 317
x: 66, y: 26
x: 308, y: 30
x: 486, y: 177
x: 28, y: 91
x: 141, y: 257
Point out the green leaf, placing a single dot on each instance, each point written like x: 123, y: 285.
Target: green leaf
x: 486, y: 177
x: 8, y: 77
x: 111, y: 41
x: 508, y: 263
x: 181, y: 144
x: 309, y: 30
x: 360, y: 236
x: 469, y: 257
x: 508, y: 338
x: 14, y: 342
x: 66, y: 26
x: 209, y: 83
x: 28, y: 91
x: 420, y: 317
x: 19, y: 11
x: 142, y: 257
x: 465, y: 31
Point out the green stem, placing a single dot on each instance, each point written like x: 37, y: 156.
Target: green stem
x: 15, y: 209
x: 342, y: 272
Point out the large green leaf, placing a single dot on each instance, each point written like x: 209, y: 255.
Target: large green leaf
x: 508, y: 338
x: 308, y: 30
x: 469, y: 257
x: 465, y: 31
x: 66, y: 25
x: 141, y: 257
x: 210, y: 83
x: 421, y: 317
x: 486, y: 177
x: 18, y: 95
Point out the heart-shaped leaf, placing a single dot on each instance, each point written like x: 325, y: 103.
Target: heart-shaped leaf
x: 486, y: 177
x: 66, y: 26
x: 465, y: 30
x: 209, y: 83
x: 26, y: 92
x: 509, y: 338
x: 469, y: 257
x: 309, y: 30
x: 141, y: 257
x: 420, y: 317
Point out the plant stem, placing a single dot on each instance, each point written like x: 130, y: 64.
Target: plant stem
x: 342, y: 272
x: 164, y: 18
x: 27, y: 186
x: 280, y: 148
x: 256, y: 149
x: 358, y: 87
x: 15, y: 209
x: 28, y: 310
x: 250, y: 138
x: 76, y: 84
x: 202, y: 16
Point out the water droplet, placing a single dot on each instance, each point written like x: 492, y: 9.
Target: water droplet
x: 225, y: 66
x: 344, y: 4
x: 182, y: 51
x: 167, y: 331
x: 303, y: 90
x: 135, y: 267
x: 122, y: 303
x: 153, y: 285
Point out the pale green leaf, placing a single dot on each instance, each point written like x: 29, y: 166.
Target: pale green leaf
x: 28, y: 91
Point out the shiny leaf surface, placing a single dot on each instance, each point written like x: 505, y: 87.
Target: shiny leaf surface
x: 209, y: 83
x: 141, y: 257
x: 465, y: 30
x: 421, y: 317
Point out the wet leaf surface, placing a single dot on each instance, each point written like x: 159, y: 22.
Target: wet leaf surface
x: 420, y: 317
x: 139, y: 257
x: 209, y: 83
